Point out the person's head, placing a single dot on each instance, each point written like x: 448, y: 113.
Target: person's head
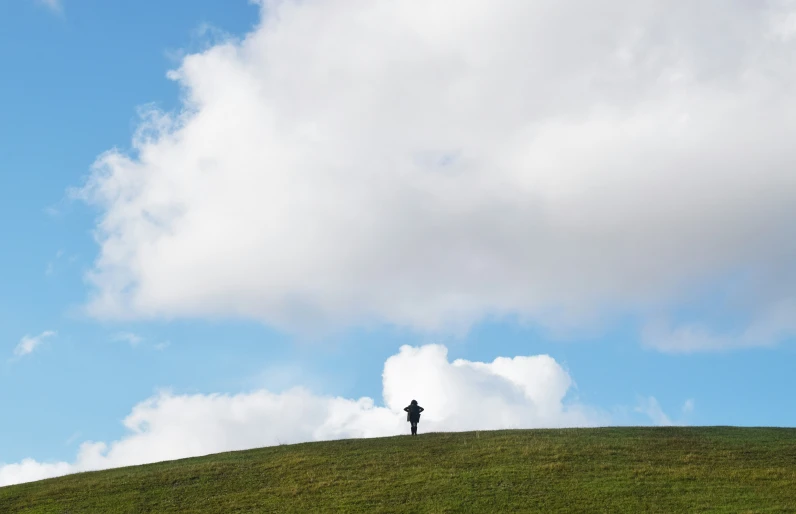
x: 414, y: 402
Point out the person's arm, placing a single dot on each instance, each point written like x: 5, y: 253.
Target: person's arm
x: 406, y: 409
x: 421, y: 408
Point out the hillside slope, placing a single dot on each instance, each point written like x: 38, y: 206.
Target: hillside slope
x: 570, y: 470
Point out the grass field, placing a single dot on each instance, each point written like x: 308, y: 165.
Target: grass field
x: 571, y: 470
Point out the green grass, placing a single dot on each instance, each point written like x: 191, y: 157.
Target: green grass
x: 608, y: 470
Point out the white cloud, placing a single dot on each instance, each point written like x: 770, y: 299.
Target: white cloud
x: 522, y: 392
x: 29, y: 470
x: 53, y: 5
x: 72, y: 438
x: 688, y: 406
x: 162, y: 345
x: 650, y: 407
x: 50, y: 269
x: 28, y: 343
x: 774, y: 323
x: 431, y: 163
x: 128, y: 337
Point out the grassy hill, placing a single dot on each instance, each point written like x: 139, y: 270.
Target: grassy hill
x: 572, y: 470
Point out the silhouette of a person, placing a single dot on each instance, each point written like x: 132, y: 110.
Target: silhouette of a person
x: 413, y: 415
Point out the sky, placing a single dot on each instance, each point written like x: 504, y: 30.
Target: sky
x: 235, y: 224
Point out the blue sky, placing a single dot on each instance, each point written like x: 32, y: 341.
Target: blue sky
x: 73, y: 77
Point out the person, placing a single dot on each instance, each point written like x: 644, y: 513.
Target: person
x: 413, y: 415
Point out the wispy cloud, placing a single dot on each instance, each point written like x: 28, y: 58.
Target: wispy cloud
x: 53, y: 5
x: 688, y: 406
x: 772, y: 325
x: 73, y: 438
x: 28, y: 344
x: 128, y: 337
x: 650, y: 407
x: 50, y: 269
x: 162, y: 346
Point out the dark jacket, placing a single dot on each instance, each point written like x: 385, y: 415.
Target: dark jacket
x: 413, y: 413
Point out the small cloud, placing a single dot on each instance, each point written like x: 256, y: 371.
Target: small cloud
x: 53, y: 5
x: 72, y: 438
x: 683, y: 339
x: 688, y: 406
x: 650, y: 407
x: 58, y: 209
x: 772, y: 325
x: 28, y: 343
x: 162, y: 346
x: 128, y: 337
x: 204, y: 37
x: 51, y: 265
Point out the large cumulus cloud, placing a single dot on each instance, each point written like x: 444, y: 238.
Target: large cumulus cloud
x: 519, y: 392
x: 429, y: 163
